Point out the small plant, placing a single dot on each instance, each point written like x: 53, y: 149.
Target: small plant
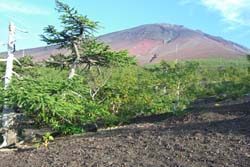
x: 46, y: 138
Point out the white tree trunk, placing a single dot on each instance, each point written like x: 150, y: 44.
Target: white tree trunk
x: 74, y: 65
x: 178, y: 91
x: 9, y: 70
x: 72, y: 70
x: 8, y: 115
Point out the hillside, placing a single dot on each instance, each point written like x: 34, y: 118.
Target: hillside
x: 39, y: 53
x: 155, y: 42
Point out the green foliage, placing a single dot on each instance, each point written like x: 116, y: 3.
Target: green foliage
x: 112, y: 94
x: 222, y: 62
x: 248, y: 58
x: 115, y: 94
x: 25, y: 65
x: 59, y: 61
x: 2, y: 73
x: 2, y: 67
x: 225, y: 82
x: 76, y: 28
x: 51, y: 100
x: 92, y: 54
x: 132, y: 91
x: 178, y: 84
x: 95, y: 53
x: 47, y: 137
x: 26, y: 61
x: 128, y: 93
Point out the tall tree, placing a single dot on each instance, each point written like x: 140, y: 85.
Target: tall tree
x: 76, y: 29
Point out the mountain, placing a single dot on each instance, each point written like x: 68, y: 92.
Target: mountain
x: 155, y: 42
x: 39, y: 53
x: 152, y: 43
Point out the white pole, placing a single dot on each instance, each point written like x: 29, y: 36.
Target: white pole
x: 8, y: 115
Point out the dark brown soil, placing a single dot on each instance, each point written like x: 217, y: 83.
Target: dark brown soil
x: 217, y: 136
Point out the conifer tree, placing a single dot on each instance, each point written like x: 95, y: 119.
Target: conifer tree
x: 77, y: 36
x: 76, y: 30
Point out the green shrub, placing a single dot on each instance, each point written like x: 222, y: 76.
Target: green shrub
x: 51, y: 100
x: 117, y: 94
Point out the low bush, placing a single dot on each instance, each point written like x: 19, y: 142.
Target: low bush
x: 117, y: 94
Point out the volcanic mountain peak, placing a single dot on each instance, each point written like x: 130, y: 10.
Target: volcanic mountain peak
x: 161, y: 31
x: 152, y: 43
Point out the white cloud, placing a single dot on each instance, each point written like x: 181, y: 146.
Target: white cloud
x: 232, y: 11
x: 15, y: 6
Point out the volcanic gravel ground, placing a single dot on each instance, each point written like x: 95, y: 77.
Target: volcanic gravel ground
x: 211, y: 137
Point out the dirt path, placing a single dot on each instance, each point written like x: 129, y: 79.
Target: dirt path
x: 216, y: 137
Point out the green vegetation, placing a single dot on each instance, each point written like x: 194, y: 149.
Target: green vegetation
x: 46, y: 139
x: 215, y: 62
x: 109, y: 87
x: 115, y: 94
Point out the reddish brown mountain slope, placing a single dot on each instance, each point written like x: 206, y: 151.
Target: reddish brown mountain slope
x: 155, y: 42
x: 40, y: 53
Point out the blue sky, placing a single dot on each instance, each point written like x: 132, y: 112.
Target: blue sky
x: 229, y: 19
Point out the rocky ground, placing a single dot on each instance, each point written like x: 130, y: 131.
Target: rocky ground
x: 214, y: 135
